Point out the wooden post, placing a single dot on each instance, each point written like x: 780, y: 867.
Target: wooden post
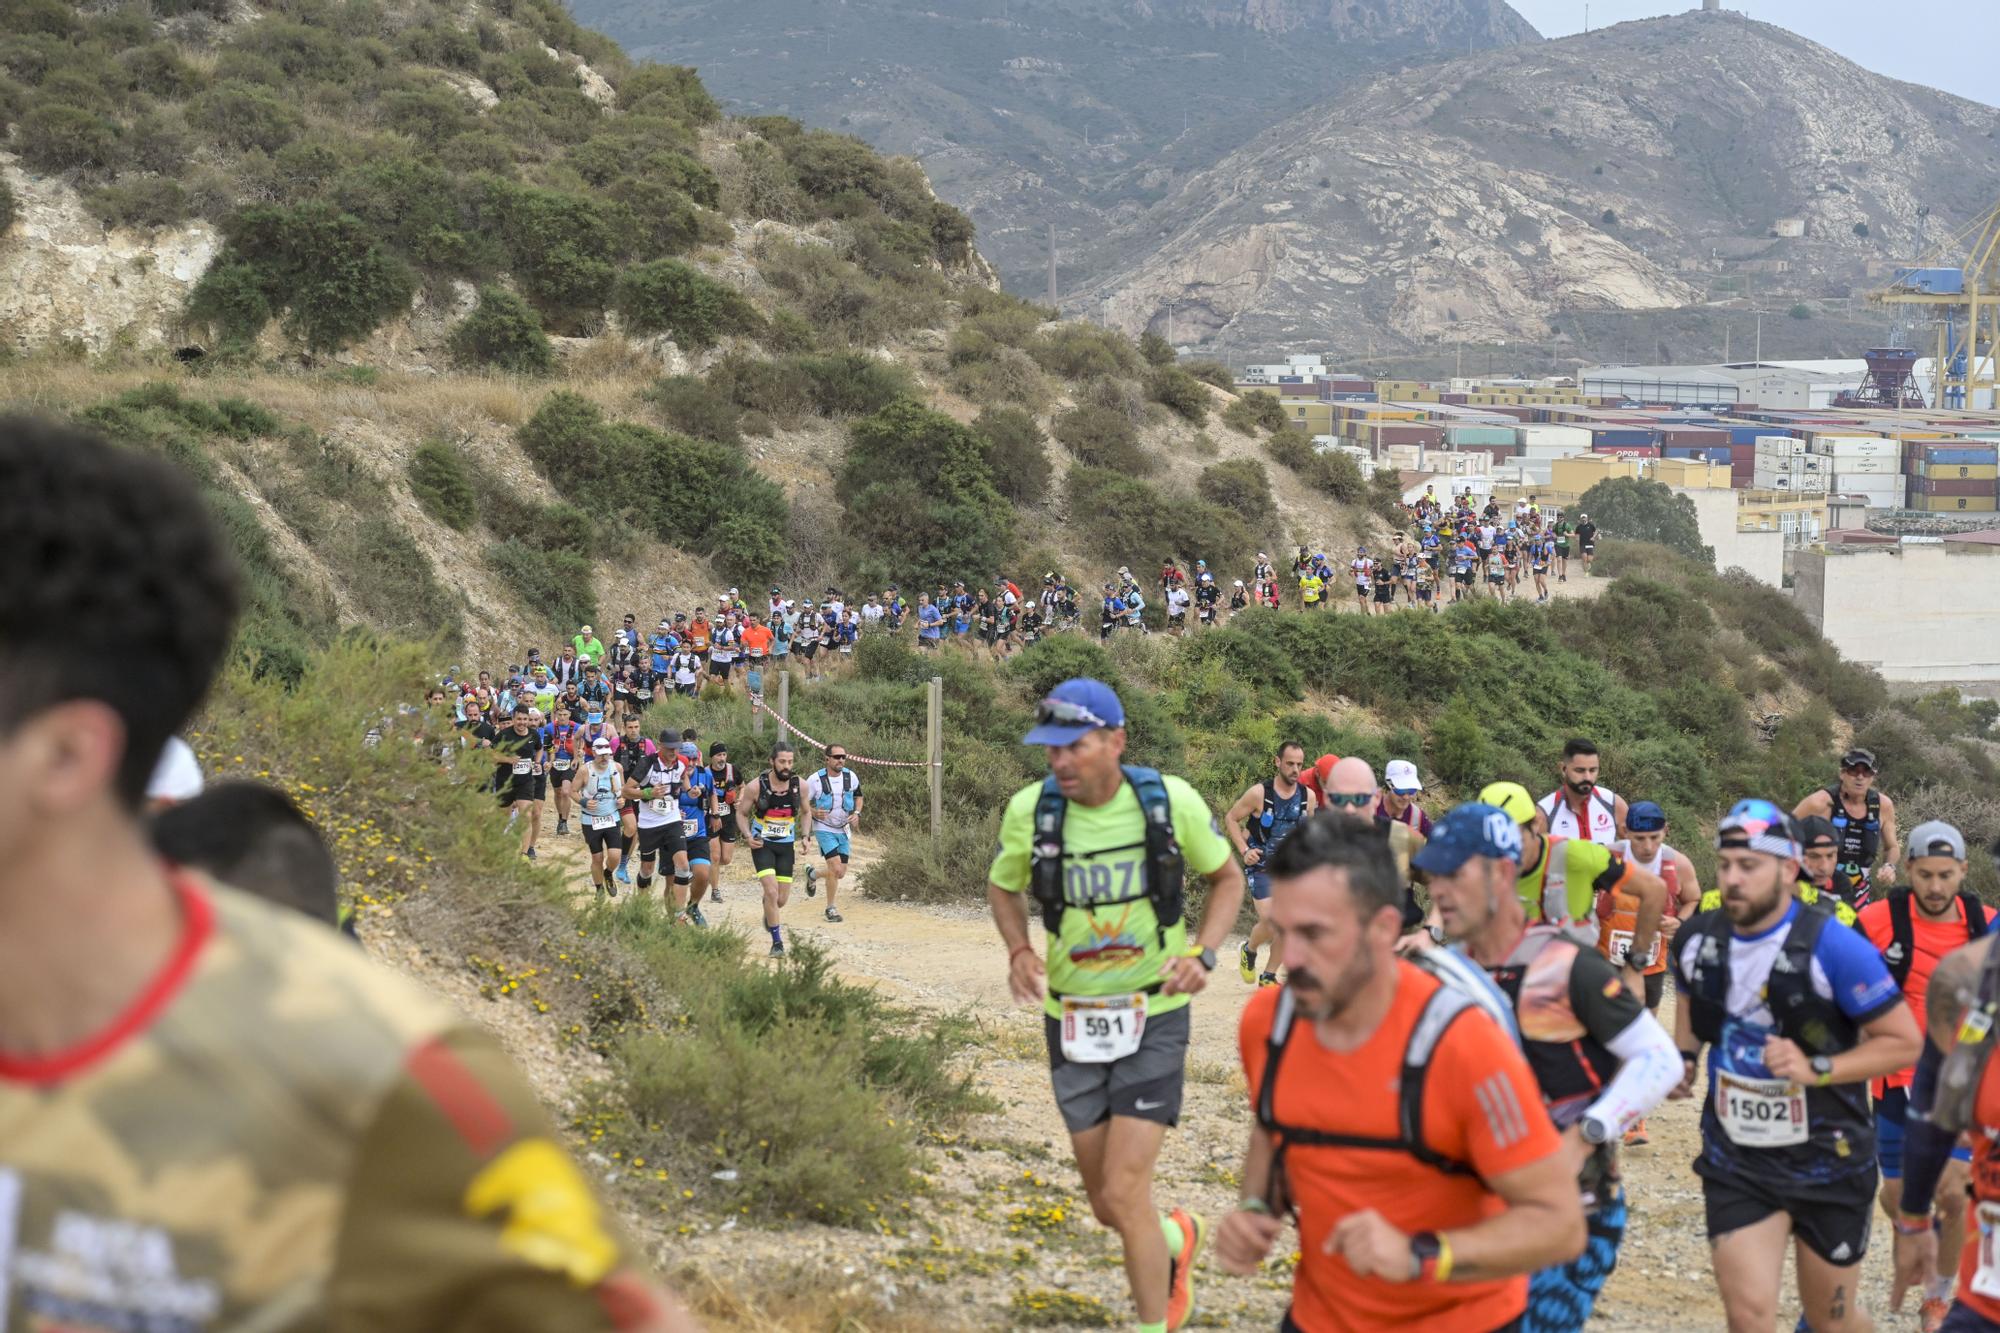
x: 784, y: 700
x: 934, y: 753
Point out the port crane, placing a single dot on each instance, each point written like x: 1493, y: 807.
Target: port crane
x: 1963, y: 299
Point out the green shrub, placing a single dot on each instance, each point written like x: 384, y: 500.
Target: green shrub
x: 845, y: 384
x: 837, y: 297
x: 556, y: 585
x: 391, y: 582
x: 6, y: 205
x: 1017, y: 455
x: 430, y: 114
x: 53, y: 137
x: 1134, y: 522
x: 230, y: 299
x: 697, y: 407
x: 672, y: 90
x: 1241, y: 486
x: 1084, y: 351
x: 441, y: 481
x: 1181, y: 392
x: 1103, y: 437
x: 1255, y: 411
x: 561, y: 247
x: 1333, y: 473
x: 920, y: 502
x: 158, y: 68
x: 1211, y: 372
x: 504, y: 332
x: 1636, y: 509
x: 667, y: 296
x: 147, y: 201
x: 244, y: 116
x: 323, y: 268
x: 1156, y: 350
x: 1458, y: 749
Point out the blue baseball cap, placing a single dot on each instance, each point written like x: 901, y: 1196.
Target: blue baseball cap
x: 1472, y: 829
x: 1645, y: 817
x: 1073, y: 709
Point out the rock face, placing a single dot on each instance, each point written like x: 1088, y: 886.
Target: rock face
x: 65, y: 277
x: 1032, y: 113
x: 1635, y: 168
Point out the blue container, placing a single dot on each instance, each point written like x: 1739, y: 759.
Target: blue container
x: 1937, y: 281
x: 1972, y: 455
x: 1747, y: 434
x: 1707, y: 453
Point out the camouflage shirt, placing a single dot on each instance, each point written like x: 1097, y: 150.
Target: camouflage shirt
x: 281, y: 1136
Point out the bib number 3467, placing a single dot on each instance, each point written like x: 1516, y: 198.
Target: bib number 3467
x: 1097, y: 1029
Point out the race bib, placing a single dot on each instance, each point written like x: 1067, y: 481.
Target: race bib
x: 1761, y: 1112
x: 690, y: 828
x: 1986, y: 1279
x: 1097, y: 1029
x: 602, y: 821
x: 645, y: 694
x: 664, y: 805
x: 560, y: 765
x: 1621, y: 950
x: 524, y: 768
x: 777, y: 828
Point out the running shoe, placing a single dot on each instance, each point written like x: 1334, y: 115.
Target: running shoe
x: 834, y: 916
x: 812, y: 875
x: 1635, y: 1137
x: 1246, y: 966
x: 1180, y: 1288
x: 715, y: 893
x: 624, y: 873
x: 1267, y: 978
x: 1930, y: 1315
x: 694, y: 914
x: 777, y: 950
x: 562, y: 826
x: 530, y: 854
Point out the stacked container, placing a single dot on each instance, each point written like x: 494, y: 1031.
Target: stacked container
x: 1952, y: 476
x: 1868, y: 466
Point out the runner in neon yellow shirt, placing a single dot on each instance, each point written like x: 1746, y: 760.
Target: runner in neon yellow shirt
x: 1098, y: 851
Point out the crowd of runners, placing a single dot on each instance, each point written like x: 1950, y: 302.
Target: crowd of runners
x: 1456, y: 1031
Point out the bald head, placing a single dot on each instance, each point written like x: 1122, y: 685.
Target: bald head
x: 1351, y: 777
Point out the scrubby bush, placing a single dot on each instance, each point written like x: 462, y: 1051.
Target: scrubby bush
x: 843, y: 384
x: 321, y: 267
x: 1082, y: 351
x: 1332, y: 472
x: 669, y: 90
x: 441, y: 481
x: 6, y: 205
x: 1636, y: 509
x: 1156, y: 350
x: 1016, y: 453
x: 1240, y: 486
x: 1255, y: 411
x: 557, y: 585
x: 1181, y: 392
x: 667, y: 296
x: 920, y: 501
x: 696, y: 406
x: 1211, y: 372
x: 145, y: 201
x: 504, y: 332
x: 561, y: 247
x: 1133, y: 521
x: 54, y: 137
x: 1102, y: 437
x: 244, y: 116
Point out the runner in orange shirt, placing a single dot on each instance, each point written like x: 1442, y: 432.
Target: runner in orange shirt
x: 1426, y: 1201
x: 1916, y: 927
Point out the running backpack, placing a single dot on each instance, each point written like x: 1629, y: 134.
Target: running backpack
x: 1902, y: 948
x: 1462, y: 985
x: 1165, y: 871
x: 1867, y: 830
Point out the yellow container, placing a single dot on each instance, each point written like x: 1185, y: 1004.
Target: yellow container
x: 1958, y: 471
x: 1955, y: 504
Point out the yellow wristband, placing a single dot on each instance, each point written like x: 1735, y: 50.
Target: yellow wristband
x: 1442, y: 1272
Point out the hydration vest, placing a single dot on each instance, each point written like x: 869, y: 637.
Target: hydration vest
x: 847, y: 785
x: 1839, y: 1115
x: 784, y: 804
x: 1902, y: 950
x: 1456, y: 993
x: 1588, y: 826
x: 1859, y: 838
x: 1165, y: 872
x: 1279, y: 817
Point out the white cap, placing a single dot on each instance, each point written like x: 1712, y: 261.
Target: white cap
x: 601, y: 745
x: 1400, y: 776
x: 177, y: 775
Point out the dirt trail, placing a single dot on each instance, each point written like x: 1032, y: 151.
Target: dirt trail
x: 948, y: 958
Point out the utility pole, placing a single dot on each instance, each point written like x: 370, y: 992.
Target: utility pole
x: 1052, y: 267
x: 1725, y: 342
x: 1759, y: 356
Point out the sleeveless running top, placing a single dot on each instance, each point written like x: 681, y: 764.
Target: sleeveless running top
x: 1279, y: 816
x: 777, y: 811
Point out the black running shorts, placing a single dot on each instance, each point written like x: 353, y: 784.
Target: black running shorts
x: 774, y: 858
x: 1830, y: 1216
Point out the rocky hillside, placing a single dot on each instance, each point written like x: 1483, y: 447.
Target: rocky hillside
x: 1038, y: 113
x: 481, y: 329
x: 1643, y: 166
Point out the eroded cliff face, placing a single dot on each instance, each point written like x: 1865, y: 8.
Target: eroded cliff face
x: 1626, y: 170
x: 67, y: 278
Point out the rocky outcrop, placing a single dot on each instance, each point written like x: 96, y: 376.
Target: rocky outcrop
x: 1635, y: 168
x: 67, y: 278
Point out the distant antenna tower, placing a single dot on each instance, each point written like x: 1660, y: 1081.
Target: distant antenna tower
x: 1052, y: 267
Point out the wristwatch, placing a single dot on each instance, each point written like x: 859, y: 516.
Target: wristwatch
x: 1425, y: 1248
x: 1822, y: 1067
x: 1207, y: 960
x: 1593, y: 1131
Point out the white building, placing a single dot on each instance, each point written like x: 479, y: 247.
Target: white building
x: 1758, y: 553
x: 1304, y: 367
x: 1786, y: 384
x: 1926, y: 609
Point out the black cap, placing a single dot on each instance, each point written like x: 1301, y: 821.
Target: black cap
x: 1816, y: 831
x: 1857, y: 757
x: 716, y: 749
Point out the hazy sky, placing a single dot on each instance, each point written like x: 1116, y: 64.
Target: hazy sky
x: 1948, y: 44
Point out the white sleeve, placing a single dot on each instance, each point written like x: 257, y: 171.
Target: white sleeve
x: 1649, y: 1068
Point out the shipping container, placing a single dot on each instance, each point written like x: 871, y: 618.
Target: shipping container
x: 1694, y: 435
x: 1866, y: 467
x: 1627, y: 450
x: 1957, y: 471
x: 1854, y: 446
x: 1798, y: 483
x: 1952, y: 486
x: 1955, y: 504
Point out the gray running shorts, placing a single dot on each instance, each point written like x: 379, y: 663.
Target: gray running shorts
x: 1145, y: 1085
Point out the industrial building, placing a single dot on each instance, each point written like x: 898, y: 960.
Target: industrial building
x: 1768, y: 384
x: 1917, y: 609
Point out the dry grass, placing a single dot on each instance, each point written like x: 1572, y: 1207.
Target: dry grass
x: 803, y: 1300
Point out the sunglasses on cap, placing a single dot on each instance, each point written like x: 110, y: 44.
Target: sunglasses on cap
x: 1067, y: 714
x: 1760, y: 826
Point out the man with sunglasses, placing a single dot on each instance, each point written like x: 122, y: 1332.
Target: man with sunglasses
x: 1102, y: 849
x: 1864, y: 820
x: 835, y: 796
x: 1799, y: 1013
